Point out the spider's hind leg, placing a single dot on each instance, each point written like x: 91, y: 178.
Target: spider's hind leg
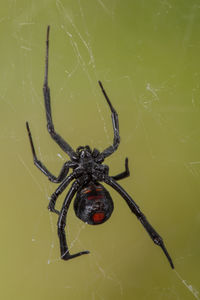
x: 157, y: 239
x: 62, y: 223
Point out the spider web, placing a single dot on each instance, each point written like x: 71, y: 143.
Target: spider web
x: 150, y: 69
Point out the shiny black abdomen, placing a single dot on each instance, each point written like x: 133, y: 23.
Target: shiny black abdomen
x: 93, y: 204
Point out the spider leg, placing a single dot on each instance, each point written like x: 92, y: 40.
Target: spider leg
x: 108, y: 151
x: 124, y: 174
x: 62, y: 223
x: 136, y: 210
x: 46, y: 91
x: 57, y: 193
x: 40, y: 165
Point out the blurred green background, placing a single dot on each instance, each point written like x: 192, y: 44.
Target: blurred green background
x: 146, y: 53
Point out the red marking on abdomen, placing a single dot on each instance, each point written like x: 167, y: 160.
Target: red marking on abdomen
x: 95, y: 197
x: 98, y: 217
x: 85, y: 191
x: 88, y: 190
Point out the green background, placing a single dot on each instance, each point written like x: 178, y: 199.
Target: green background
x: 146, y: 53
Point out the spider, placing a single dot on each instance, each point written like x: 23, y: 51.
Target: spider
x: 93, y: 203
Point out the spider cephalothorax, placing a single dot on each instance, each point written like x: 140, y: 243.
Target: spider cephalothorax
x: 93, y: 203
x: 84, y: 152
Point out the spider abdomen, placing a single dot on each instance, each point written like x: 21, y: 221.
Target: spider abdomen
x: 93, y: 204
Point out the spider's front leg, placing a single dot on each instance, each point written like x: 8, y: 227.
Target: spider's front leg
x: 40, y: 165
x: 64, y: 250
x: 47, y: 101
x: 108, y: 151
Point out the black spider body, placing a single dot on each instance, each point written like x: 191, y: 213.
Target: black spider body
x: 93, y: 203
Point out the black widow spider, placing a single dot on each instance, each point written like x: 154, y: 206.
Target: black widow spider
x: 93, y: 203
